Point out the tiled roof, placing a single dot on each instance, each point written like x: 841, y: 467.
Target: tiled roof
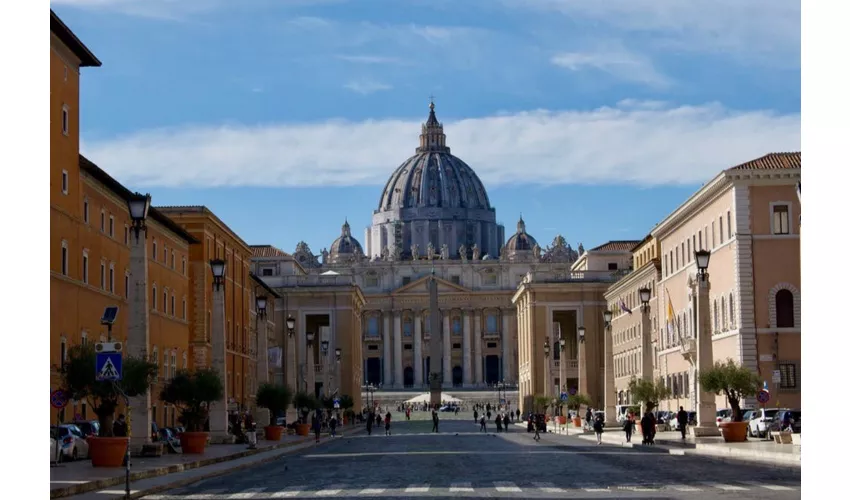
x: 268, y: 251
x: 772, y: 161
x: 616, y: 246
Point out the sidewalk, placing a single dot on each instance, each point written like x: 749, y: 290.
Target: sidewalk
x: 74, y: 478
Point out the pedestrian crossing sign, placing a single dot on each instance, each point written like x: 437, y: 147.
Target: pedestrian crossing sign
x: 108, y: 366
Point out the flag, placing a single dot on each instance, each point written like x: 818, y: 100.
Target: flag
x: 670, y: 314
x: 623, y: 306
x: 798, y: 192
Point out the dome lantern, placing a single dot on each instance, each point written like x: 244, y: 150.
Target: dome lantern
x: 432, y: 137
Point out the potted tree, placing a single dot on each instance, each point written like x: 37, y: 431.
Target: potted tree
x: 575, y: 403
x: 276, y: 399
x: 735, y: 382
x: 648, y: 393
x: 192, y: 392
x: 541, y: 403
x: 346, y: 403
x: 79, y: 381
x: 562, y: 419
x: 304, y: 403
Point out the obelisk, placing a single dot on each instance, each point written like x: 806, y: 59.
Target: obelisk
x: 435, y: 375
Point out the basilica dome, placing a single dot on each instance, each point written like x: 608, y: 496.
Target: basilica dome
x: 345, y: 247
x: 520, y: 241
x: 433, y: 177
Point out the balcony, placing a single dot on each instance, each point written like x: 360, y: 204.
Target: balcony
x: 309, y: 280
x: 572, y: 276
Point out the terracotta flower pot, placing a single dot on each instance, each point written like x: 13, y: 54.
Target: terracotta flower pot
x: 734, y: 432
x: 562, y: 420
x: 302, y: 429
x: 576, y: 422
x: 193, y: 443
x: 106, y: 451
x: 274, y: 432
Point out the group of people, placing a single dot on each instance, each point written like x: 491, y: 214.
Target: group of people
x: 373, y: 418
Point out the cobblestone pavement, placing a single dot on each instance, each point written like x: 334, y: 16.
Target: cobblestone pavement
x: 461, y: 461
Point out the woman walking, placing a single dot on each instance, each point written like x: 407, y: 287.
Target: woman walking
x: 387, y: 421
x: 598, y: 426
x: 317, y: 426
x: 629, y: 426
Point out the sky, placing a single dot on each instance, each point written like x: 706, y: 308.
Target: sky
x: 592, y: 119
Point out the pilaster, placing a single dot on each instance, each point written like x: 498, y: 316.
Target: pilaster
x: 218, y: 409
x: 417, y: 348
x: 138, y: 334
x: 398, y: 378
x: 467, y: 351
x: 447, y: 349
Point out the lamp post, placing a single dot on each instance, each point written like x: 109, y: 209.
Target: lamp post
x: 582, y: 362
x: 218, y: 409
x: 370, y: 396
x: 262, y: 363
x: 310, y: 379
x: 610, y: 389
x: 138, y: 327
x: 645, y: 334
x: 338, y: 358
x: 706, y: 407
x: 547, y: 375
x: 562, y: 368
x: 326, y: 384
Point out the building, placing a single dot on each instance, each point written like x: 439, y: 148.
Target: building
x: 217, y: 241
x: 433, y: 215
x: 747, y: 217
x: 90, y: 246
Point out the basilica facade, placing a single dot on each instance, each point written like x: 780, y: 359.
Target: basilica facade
x: 433, y: 216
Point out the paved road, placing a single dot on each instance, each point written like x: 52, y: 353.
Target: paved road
x: 460, y: 461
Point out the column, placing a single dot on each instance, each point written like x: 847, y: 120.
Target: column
x: 706, y: 408
x: 263, y: 416
x: 218, y: 409
x: 476, y: 332
x: 610, y: 397
x: 387, y: 361
x: 467, y: 352
x: 138, y: 334
x: 310, y: 365
x: 646, y: 343
x: 398, y: 378
x: 507, y: 356
x: 447, y: 349
x: 417, y: 348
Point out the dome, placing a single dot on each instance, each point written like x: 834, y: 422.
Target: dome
x: 521, y: 241
x: 433, y: 177
x: 345, y: 245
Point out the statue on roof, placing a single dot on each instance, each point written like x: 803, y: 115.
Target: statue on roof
x: 462, y: 252
x: 432, y: 252
x: 414, y: 251
x: 325, y: 256
x: 476, y: 252
x: 580, y: 249
x: 444, y: 252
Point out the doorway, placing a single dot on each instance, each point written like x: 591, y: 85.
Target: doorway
x: 491, y: 369
x: 457, y: 376
x: 373, y: 371
x: 408, y: 377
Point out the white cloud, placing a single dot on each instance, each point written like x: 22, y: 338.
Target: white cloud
x: 619, y: 63
x: 635, y: 145
x: 366, y: 87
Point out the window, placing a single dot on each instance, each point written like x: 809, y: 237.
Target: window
x: 721, y: 229
x: 64, y: 182
x: 173, y: 362
x: 492, y: 323
x: 455, y: 280
x: 729, y: 224
x: 369, y: 282
x: 723, y: 312
x: 699, y: 239
x: 183, y: 264
x: 405, y: 280
x: 784, y: 309
x: 65, y: 119
x: 787, y: 376
x: 716, y: 323
x: 155, y: 357
x: 612, y: 266
x: 173, y: 307
x: 112, y: 278
x: 86, y: 211
x: 103, y: 275
x: 164, y: 254
x: 184, y: 308
x: 677, y: 258
x: 185, y: 360
x: 173, y: 260
x: 407, y: 327
x: 731, y: 311
x: 457, y: 328
x: 153, y: 298
x: 165, y: 301
x: 490, y: 279
x: 63, y: 351
x: 666, y: 266
x: 127, y: 285
x: 712, y: 235
x: 153, y: 254
x: 111, y: 226
x: 126, y: 235
x: 372, y: 326
x: 85, y: 267
x: 780, y: 219
x: 103, y: 221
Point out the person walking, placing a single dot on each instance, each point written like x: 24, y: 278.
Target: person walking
x: 506, y: 421
x: 682, y: 419
x: 251, y: 431
x: 537, y: 426
x: 498, y: 423
x: 387, y: 421
x: 317, y: 426
x: 332, y: 424
x: 629, y: 426
x: 435, y: 418
x: 119, y: 427
x: 588, y: 416
x: 647, y: 428
x: 598, y: 427
x: 370, y: 419
x: 475, y: 415
x: 483, y: 423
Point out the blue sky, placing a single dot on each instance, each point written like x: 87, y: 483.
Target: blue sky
x: 592, y: 119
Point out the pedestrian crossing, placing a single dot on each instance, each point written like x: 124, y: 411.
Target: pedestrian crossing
x: 499, y: 488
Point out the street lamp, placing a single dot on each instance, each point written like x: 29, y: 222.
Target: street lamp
x: 607, y: 316
x: 644, y: 294
x: 310, y: 339
x: 261, y: 306
x: 546, y: 348
x: 581, y: 332
x: 338, y: 353
x: 290, y: 325
x: 324, y: 345
x: 138, y: 204
x: 562, y: 342
x: 218, y: 267
x: 702, y: 257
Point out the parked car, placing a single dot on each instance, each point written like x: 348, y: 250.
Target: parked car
x: 761, y: 421
x: 674, y: 421
x: 72, y: 441
x: 725, y: 415
x: 54, y: 450
x: 776, y: 423
x: 88, y: 427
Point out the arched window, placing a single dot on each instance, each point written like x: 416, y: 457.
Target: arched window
x: 716, y: 323
x: 731, y: 311
x: 784, y: 309
x: 723, y: 312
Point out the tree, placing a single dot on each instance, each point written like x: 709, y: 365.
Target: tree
x: 346, y: 402
x: 78, y: 380
x: 541, y: 403
x: 648, y: 392
x: 276, y: 398
x: 576, y: 401
x: 192, y: 392
x: 736, y: 382
x: 305, y: 402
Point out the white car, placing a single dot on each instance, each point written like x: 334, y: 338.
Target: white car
x: 54, y: 453
x: 760, y: 421
x: 71, y: 441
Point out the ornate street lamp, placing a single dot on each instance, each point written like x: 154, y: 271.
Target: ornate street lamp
x: 324, y: 345
x: 645, y: 294
x: 218, y: 267
x: 290, y: 325
x: 261, y: 306
x: 338, y: 353
x: 563, y: 343
x: 310, y: 339
x: 546, y: 348
x: 581, y: 332
x: 702, y: 257
x: 607, y: 316
x: 138, y: 204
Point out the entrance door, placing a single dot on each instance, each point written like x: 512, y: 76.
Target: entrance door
x: 408, y: 377
x: 373, y: 371
x: 491, y: 369
x: 457, y: 376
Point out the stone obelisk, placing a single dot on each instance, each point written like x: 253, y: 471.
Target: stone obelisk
x: 435, y: 376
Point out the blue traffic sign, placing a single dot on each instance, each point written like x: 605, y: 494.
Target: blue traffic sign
x: 563, y: 396
x: 336, y: 403
x: 763, y: 397
x: 107, y: 366
x: 58, y: 399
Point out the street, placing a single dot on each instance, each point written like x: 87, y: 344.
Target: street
x: 461, y: 461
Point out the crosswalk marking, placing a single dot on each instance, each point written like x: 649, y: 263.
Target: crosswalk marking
x: 290, y: 491
x: 774, y: 487
x: 376, y: 489
x: 638, y: 487
x: 724, y: 487
x: 548, y: 488
x: 507, y: 487
x: 249, y: 493
x: 683, y: 487
x: 206, y: 495
x: 419, y: 488
x: 330, y: 490
x: 592, y: 487
x: 461, y: 488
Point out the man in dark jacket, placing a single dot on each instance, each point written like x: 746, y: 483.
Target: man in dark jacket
x: 682, y: 419
x: 435, y: 417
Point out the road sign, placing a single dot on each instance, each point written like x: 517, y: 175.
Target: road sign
x: 336, y: 404
x: 573, y: 391
x: 107, y: 366
x: 763, y: 397
x: 58, y: 399
x: 563, y: 396
x: 777, y: 377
